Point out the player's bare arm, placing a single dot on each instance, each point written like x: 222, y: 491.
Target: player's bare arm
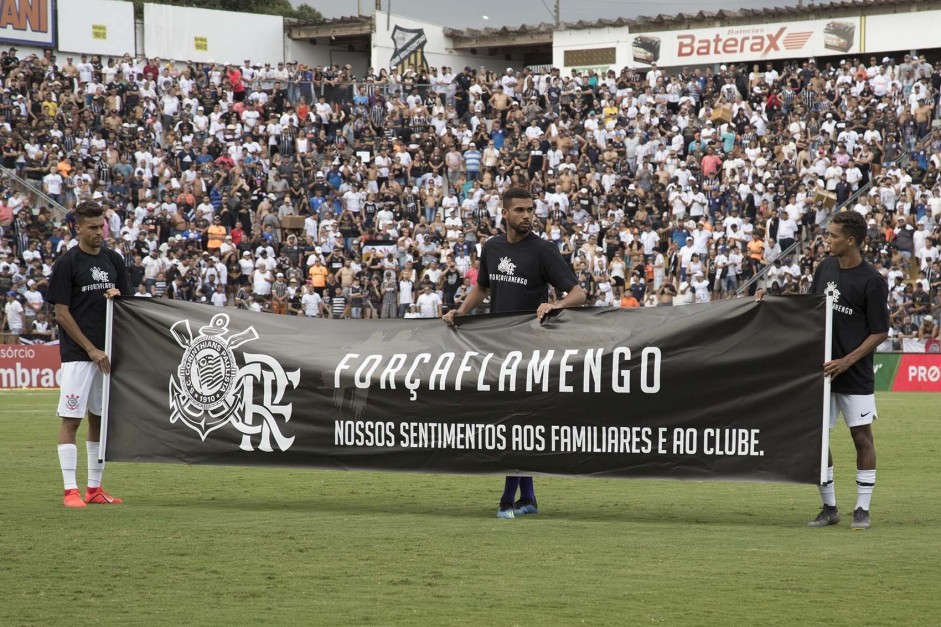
x: 575, y: 298
x: 471, y: 302
x: 835, y: 367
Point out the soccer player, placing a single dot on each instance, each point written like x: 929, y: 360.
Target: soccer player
x: 860, y: 324
x: 82, y: 279
x: 516, y: 270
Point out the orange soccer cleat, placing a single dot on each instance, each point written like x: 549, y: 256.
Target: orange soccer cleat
x: 97, y: 496
x: 73, y: 499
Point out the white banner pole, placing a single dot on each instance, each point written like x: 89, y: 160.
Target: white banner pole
x: 106, y: 382
x: 827, y: 356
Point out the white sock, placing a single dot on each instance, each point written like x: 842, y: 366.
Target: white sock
x: 827, y: 493
x: 95, y: 469
x: 865, y: 482
x: 68, y: 460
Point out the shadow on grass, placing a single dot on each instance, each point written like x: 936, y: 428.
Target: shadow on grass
x: 645, y: 513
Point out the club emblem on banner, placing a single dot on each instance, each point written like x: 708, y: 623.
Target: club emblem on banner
x: 210, y: 390
x: 409, y: 49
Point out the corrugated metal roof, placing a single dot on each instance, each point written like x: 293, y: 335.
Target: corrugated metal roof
x: 703, y: 18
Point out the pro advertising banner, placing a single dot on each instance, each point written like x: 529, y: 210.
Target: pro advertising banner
x: 729, y: 390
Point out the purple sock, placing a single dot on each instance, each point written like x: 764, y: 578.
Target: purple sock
x: 509, y: 490
x: 527, y: 491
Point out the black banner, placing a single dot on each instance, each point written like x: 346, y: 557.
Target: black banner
x: 728, y: 390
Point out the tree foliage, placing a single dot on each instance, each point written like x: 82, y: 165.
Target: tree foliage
x: 284, y: 8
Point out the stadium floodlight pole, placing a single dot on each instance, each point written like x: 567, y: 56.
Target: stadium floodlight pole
x: 106, y: 382
x: 827, y: 356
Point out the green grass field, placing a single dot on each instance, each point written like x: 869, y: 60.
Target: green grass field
x: 204, y: 545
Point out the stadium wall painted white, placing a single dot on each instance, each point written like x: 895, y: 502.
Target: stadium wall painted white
x: 97, y: 27
x: 324, y: 54
x: 902, y: 31
x: 186, y: 34
x: 437, y: 49
x: 28, y: 22
x: 593, y: 38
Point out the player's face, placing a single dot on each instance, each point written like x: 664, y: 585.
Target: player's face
x: 519, y: 215
x: 91, y: 232
x: 837, y: 242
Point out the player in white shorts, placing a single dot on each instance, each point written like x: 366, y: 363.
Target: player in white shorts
x: 82, y: 280
x: 856, y: 409
x: 79, y: 389
x: 860, y: 324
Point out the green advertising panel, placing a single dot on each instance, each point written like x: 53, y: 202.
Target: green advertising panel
x: 885, y: 365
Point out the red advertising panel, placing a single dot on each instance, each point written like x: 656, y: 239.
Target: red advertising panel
x: 29, y: 366
x: 918, y: 373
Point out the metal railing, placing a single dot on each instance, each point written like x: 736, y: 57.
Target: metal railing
x: 901, y: 161
x: 33, y: 191
x: 343, y: 93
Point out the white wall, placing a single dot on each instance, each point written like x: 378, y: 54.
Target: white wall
x: 902, y: 31
x: 616, y: 37
x: 171, y: 32
x: 96, y: 26
x: 324, y: 54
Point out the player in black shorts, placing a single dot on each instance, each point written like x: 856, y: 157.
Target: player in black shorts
x: 82, y: 280
x: 516, y: 270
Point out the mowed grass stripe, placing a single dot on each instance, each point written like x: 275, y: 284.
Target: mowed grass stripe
x: 210, y: 545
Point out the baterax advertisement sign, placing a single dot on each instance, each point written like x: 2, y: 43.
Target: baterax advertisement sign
x: 753, y: 42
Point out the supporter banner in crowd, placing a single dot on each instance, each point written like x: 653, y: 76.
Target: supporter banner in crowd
x: 187, y: 34
x: 748, y: 43
x: 28, y: 22
x: 730, y: 390
x: 96, y: 27
x: 29, y: 366
x: 402, y: 43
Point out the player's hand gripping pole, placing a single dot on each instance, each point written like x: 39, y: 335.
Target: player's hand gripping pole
x: 106, y: 381
x: 827, y: 356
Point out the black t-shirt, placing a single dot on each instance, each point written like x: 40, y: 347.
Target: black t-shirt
x: 860, y: 310
x: 519, y: 274
x: 79, y: 281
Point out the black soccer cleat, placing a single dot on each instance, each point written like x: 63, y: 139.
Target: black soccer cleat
x: 829, y: 515
x: 860, y: 519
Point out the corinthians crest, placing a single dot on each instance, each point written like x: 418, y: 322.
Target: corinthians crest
x: 210, y: 390
x: 409, y: 49
x: 506, y: 266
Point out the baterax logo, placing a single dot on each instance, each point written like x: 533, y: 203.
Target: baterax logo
x: 210, y: 390
x: 735, y: 41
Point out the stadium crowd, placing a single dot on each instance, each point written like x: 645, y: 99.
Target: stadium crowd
x: 311, y: 191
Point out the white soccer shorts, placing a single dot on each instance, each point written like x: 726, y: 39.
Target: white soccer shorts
x: 79, y: 389
x: 857, y: 409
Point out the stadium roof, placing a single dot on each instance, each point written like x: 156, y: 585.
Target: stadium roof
x: 352, y: 25
x: 541, y: 33
x: 701, y: 18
